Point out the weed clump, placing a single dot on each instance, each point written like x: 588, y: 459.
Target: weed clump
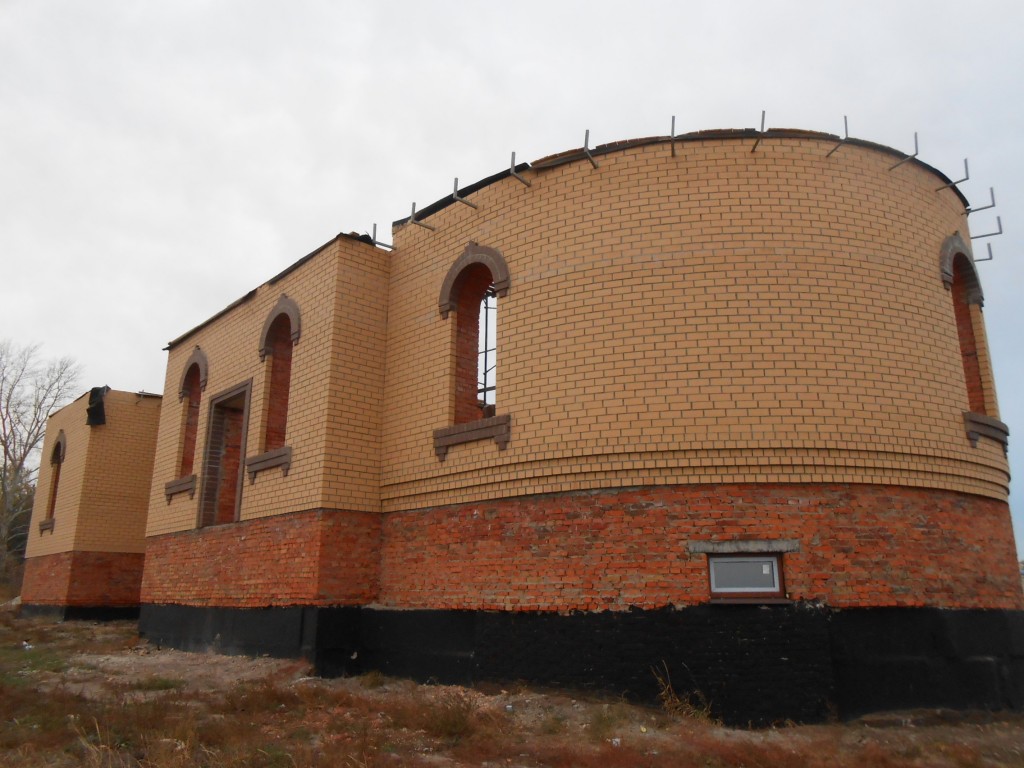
x: 159, y: 683
x: 692, y: 705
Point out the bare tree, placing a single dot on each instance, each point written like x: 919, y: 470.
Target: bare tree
x: 30, y: 390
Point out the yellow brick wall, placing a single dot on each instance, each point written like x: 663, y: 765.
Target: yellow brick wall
x: 719, y: 316
x: 71, y: 419
x: 351, y: 453
x: 115, y: 492
x: 340, y: 293
x: 103, y: 492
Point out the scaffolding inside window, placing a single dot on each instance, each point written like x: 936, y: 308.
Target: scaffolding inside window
x: 488, y: 351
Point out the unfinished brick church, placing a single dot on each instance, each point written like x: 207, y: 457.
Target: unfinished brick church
x: 719, y: 401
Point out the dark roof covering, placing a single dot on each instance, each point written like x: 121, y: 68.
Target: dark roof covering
x: 752, y: 134
x: 444, y: 202
x: 286, y: 271
x: 575, y: 155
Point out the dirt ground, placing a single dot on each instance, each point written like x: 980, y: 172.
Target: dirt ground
x: 83, y: 693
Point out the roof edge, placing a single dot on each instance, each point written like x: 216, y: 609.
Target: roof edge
x: 276, y: 278
x: 714, y: 134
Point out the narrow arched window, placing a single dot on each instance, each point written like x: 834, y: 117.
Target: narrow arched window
x: 56, y: 460
x: 475, y: 346
x: 961, y: 279
x: 472, y: 289
x: 189, y: 394
x: 191, y: 391
x: 281, y: 332
x: 963, y: 289
x: 279, y: 349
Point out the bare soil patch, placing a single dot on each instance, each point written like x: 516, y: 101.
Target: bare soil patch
x: 81, y: 693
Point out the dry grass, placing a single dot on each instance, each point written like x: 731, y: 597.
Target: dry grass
x: 692, y: 704
x: 61, y: 708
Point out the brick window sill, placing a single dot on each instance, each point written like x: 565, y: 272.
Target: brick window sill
x: 46, y: 525
x: 181, y: 485
x: 978, y: 425
x: 498, y: 428
x: 279, y: 457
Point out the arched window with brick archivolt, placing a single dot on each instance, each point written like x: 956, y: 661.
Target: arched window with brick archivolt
x: 56, y: 460
x: 964, y: 286
x: 193, y: 382
x: 279, y: 349
x: 281, y: 332
x: 190, y: 393
x: 961, y: 279
x: 471, y: 290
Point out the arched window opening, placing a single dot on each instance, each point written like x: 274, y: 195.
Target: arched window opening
x: 279, y: 348
x: 963, y: 287
x: 475, y: 347
x: 471, y: 289
x: 281, y: 332
x: 961, y: 279
x: 191, y: 391
x: 56, y: 460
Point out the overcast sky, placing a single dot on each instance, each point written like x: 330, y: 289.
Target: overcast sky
x: 159, y: 160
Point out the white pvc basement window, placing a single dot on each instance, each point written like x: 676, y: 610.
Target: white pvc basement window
x: 745, y: 575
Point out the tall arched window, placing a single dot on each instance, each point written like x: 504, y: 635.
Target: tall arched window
x: 964, y: 283
x: 190, y: 393
x: 961, y: 278
x: 56, y: 460
x: 475, y: 353
x: 472, y: 289
x: 281, y: 333
x: 279, y: 349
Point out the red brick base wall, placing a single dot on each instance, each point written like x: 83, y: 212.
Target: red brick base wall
x: 319, y: 557
x: 860, y: 545
x: 83, y: 579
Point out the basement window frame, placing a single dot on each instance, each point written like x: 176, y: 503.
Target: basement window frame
x: 778, y: 589
x: 750, y: 550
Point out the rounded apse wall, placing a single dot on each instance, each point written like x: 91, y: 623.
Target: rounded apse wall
x: 711, y: 317
x: 718, y: 316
